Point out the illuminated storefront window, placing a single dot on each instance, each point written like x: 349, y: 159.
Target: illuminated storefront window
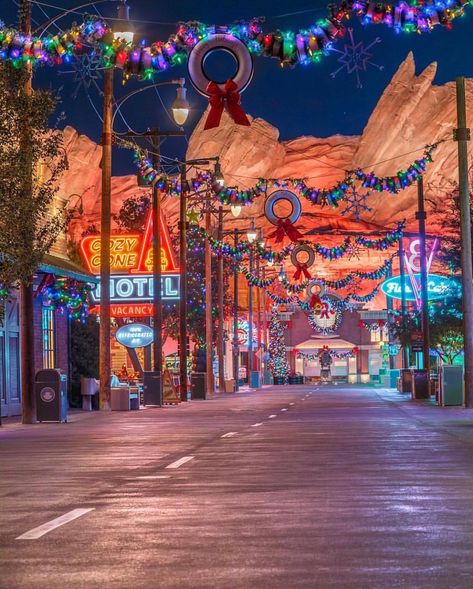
x: 49, y: 339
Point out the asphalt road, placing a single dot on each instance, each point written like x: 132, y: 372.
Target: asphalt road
x: 285, y: 488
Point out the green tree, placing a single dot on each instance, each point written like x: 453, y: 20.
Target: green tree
x: 32, y: 159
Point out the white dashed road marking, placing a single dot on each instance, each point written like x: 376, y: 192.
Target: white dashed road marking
x: 272, y: 416
x: 291, y: 403
x: 179, y: 462
x: 283, y: 409
x: 256, y: 424
x: 229, y: 435
x: 36, y: 533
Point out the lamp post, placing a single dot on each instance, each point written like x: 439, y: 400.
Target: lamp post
x: 462, y: 136
x: 155, y: 135
x: 183, y: 226
x: 421, y: 217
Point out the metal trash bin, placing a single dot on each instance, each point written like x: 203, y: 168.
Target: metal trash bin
x: 406, y: 380
x: 134, y: 399
x: 51, y: 395
x: 152, y: 388
x: 420, y: 384
x: 120, y: 398
x: 451, y: 385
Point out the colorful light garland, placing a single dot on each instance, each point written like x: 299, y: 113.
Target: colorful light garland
x: 372, y: 326
x: 385, y: 242
x: 303, y: 47
x: 278, y: 363
x: 232, y: 196
x: 337, y: 355
x: 68, y: 295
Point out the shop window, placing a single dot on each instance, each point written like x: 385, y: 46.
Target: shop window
x: 49, y: 338
x: 376, y: 335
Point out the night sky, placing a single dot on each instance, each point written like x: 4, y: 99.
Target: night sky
x: 299, y: 101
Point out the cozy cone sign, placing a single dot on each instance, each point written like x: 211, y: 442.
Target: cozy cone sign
x: 131, y: 261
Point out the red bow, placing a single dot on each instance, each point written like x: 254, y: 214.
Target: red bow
x: 285, y: 227
x: 315, y: 300
x: 324, y: 313
x: 228, y: 98
x: 301, y: 269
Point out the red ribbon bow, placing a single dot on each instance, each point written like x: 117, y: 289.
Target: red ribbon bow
x: 324, y: 313
x: 315, y: 301
x: 301, y: 269
x: 285, y: 227
x: 228, y: 99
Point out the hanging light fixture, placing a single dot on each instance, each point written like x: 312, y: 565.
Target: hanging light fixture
x: 122, y: 27
x: 251, y: 233
x: 236, y: 210
x: 180, y: 106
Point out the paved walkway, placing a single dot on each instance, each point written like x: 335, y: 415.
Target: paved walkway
x: 285, y: 488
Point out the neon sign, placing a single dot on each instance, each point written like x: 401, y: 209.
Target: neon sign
x: 130, y: 253
x: 131, y: 259
x: 438, y: 287
x: 134, y: 335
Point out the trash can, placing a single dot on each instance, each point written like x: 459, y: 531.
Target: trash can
x: 230, y: 385
x: 406, y: 380
x: 88, y: 388
x: 51, y: 395
x: 152, y: 388
x: 120, y: 398
x: 451, y: 385
x: 420, y: 383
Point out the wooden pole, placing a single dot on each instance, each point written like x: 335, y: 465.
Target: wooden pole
x: 421, y: 217
x: 157, y: 293
x: 221, y: 310
x: 27, y: 368
x: 105, y: 227
x: 462, y: 135
x: 402, y: 273
x: 183, y: 285
x: 208, y: 303
x: 236, y: 347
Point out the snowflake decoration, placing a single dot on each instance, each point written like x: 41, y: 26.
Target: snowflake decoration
x: 356, y: 203
x: 86, y: 70
x: 355, y: 58
x: 353, y: 251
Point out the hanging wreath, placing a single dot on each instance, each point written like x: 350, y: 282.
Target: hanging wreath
x: 326, y: 319
x: 70, y: 295
x: 302, y: 267
x: 221, y: 95
x: 315, y: 292
x: 284, y: 224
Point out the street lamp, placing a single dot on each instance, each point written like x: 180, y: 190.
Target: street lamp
x: 180, y: 106
x: 235, y: 210
x: 251, y: 234
x: 122, y: 27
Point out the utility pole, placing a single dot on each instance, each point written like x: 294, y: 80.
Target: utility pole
x: 421, y: 217
x: 462, y: 136
x: 402, y: 273
x: 183, y: 284
x: 26, y: 287
x: 157, y: 295
x: 209, y: 385
x: 236, y: 350
x: 250, y: 323
x: 105, y: 227
x: 220, y: 302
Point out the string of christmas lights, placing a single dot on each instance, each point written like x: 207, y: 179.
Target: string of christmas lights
x: 334, y: 354
x: 371, y: 326
x: 278, y: 362
x: 68, y: 296
x: 303, y: 47
x: 232, y: 196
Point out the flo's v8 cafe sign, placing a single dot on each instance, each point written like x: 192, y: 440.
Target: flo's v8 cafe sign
x: 438, y: 287
x: 131, y: 261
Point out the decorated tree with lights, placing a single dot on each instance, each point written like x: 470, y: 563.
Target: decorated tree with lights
x: 278, y: 363
x: 32, y: 159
